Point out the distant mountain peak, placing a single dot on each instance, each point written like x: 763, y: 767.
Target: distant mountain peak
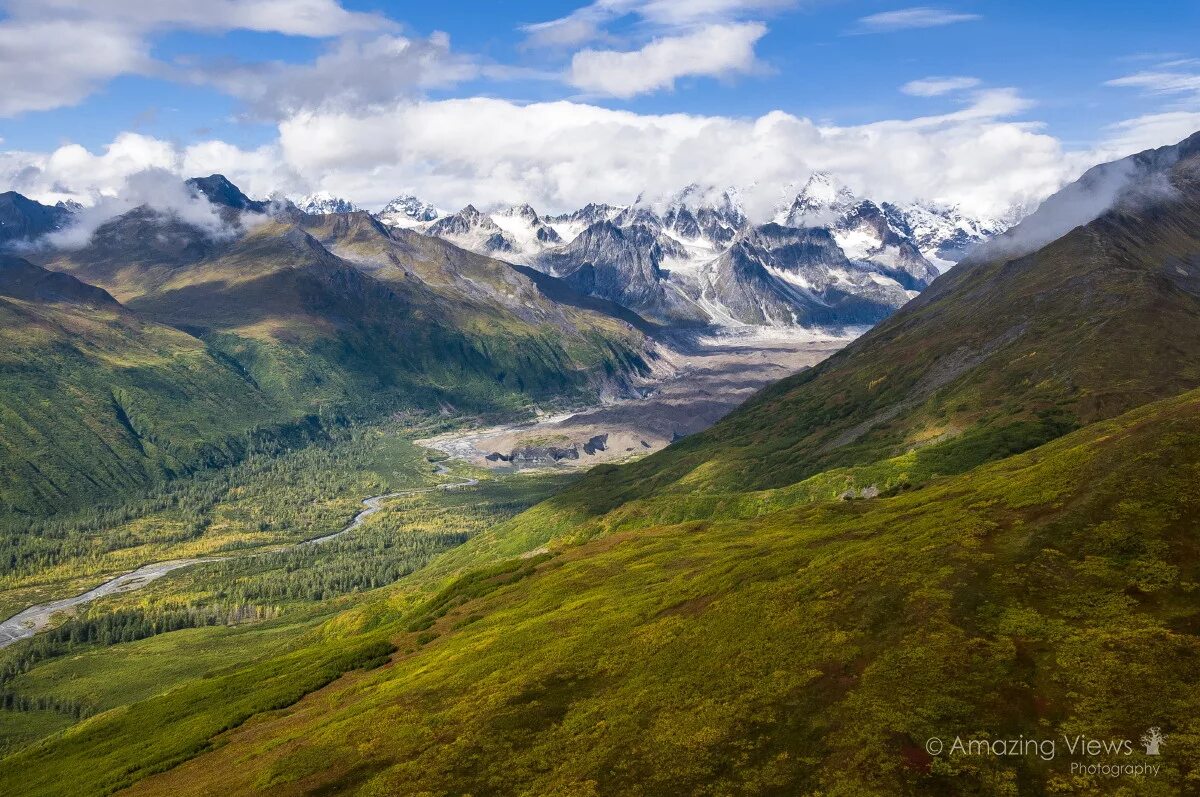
x: 822, y: 198
x: 24, y: 219
x: 220, y: 191
x: 523, y: 211
x: 323, y: 203
x: 407, y: 210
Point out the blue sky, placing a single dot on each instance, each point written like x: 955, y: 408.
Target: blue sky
x: 178, y: 78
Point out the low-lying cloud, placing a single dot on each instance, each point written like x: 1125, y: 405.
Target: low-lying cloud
x: 1130, y: 183
x: 158, y: 189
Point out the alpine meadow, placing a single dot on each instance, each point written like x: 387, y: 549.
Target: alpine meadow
x: 634, y: 397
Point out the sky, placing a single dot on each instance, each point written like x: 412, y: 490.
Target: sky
x: 984, y: 104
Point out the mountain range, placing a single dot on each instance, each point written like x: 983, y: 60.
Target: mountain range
x: 827, y: 258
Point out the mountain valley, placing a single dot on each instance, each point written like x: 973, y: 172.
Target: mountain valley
x: 740, y: 507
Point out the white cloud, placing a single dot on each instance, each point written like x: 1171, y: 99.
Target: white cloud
x: 691, y: 12
x: 561, y: 155
x: 51, y: 64
x: 1148, y: 131
x: 1161, y: 81
x: 711, y: 51
x: 937, y: 86
x: 1178, y: 118
x: 354, y: 73
x: 587, y: 24
x: 910, y: 18
x: 318, y: 18
x: 54, y: 53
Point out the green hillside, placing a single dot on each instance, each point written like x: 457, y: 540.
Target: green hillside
x: 225, y: 343
x: 94, y: 401
x: 977, y: 522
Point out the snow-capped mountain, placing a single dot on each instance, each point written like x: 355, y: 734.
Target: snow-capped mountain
x: 515, y: 232
x: 569, y: 225
x: 625, y: 264
x: 473, y: 230
x: 408, y: 211
x: 820, y: 203
x: 829, y: 257
x: 699, y: 218
x: 944, y: 233
x: 323, y: 203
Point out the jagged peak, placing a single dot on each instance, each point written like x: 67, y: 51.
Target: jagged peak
x: 325, y: 202
x: 522, y: 211
x: 219, y: 190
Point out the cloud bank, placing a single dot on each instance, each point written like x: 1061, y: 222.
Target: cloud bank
x: 561, y: 155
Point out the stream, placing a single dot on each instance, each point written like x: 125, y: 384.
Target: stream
x: 37, y: 618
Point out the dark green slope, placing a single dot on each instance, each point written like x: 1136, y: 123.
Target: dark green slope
x: 303, y: 321
x: 407, y: 319
x: 1000, y: 354
x: 94, y: 400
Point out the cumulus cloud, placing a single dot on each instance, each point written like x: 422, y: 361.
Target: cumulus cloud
x: 711, y: 51
x: 910, y: 18
x: 54, y: 53
x: 55, y: 63
x: 560, y: 155
x: 384, y: 69
x: 937, y: 86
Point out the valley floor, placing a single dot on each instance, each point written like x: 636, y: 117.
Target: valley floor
x: 701, y: 378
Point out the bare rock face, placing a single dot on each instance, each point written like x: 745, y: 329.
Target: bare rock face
x: 623, y: 265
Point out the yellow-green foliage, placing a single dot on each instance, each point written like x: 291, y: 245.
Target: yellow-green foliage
x: 810, y: 650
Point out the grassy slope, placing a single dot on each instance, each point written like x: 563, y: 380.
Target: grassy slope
x: 119, y: 675
x: 753, y: 635
x: 101, y: 678
x: 811, y: 650
x: 94, y: 401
